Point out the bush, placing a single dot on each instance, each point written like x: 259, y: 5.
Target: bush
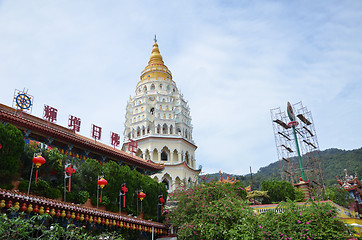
x: 309, y: 221
x: 53, y: 193
x: 83, y: 196
x: 23, y: 186
x: 7, y: 186
x: 113, y: 207
x: 42, y: 227
x: 41, y: 187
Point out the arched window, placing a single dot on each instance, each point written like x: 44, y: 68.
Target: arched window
x: 164, y: 181
x: 160, y: 107
x: 160, y: 86
x: 138, y: 131
x: 164, y: 129
x: 167, y: 108
x: 164, y: 156
x: 153, y: 87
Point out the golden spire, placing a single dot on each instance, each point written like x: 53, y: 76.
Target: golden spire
x: 156, y: 57
x: 156, y: 68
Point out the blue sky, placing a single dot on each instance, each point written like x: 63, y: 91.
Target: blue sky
x: 232, y: 60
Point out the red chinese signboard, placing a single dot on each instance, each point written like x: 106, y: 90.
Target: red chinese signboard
x: 115, y: 139
x: 74, y: 123
x: 50, y: 113
x: 96, y: 132
x: 132, y: 146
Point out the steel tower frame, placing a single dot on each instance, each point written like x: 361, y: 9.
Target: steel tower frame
x: 287, y: 149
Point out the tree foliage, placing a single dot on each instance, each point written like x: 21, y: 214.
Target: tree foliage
x: 43, y: 227
x: 339, y: 195
x: 212, y: 211
x: 12, y: 145
x: 280, y: 191
x: 333, y: 162
x: 309, y: 221
x: 84, y: 181
x: 216, y: 211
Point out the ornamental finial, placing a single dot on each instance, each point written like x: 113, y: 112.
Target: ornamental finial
x: 155, y: 39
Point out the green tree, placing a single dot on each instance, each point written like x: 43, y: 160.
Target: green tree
x: 12, y: 145
x: 339, y: 195
x: 278, y: 191
x: 212, y: 211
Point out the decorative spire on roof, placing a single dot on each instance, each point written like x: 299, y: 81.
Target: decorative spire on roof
x: 156, y: 57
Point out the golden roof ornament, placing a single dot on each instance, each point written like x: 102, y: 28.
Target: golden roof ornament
x: 222, y: 180
x: 156, y: 57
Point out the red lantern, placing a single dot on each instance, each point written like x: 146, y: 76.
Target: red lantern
x: 141, y: 196
x: 69, y: 170
x: 102, y: 182
x: 162, y: 200
x: 124, y: 190
x: 38, y: 161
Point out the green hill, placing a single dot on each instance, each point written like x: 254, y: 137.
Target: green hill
x: 333, y: 162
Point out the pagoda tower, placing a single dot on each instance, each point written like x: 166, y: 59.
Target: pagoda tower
x: 158, y: 120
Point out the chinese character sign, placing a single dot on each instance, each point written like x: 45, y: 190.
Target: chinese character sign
x: 74, y: 123
x: 50, y: 113
x: 132, y: 146
x: 115, y: 139
x: 96, y: 132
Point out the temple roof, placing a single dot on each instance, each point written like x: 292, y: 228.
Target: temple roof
x: 43, y: 128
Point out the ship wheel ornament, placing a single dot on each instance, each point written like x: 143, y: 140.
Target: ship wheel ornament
x: 22, y: 100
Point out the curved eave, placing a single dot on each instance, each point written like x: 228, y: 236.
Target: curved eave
x: 140, y: 139
x: 77, y: 140
x: 185, y: 165
x: 60, y: 205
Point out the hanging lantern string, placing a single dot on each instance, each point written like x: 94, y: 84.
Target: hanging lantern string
x: 125, y: 190
x: 36, y: 175
x: 70, y: 171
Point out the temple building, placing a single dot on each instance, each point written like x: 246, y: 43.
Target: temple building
x: 354, y: 188
x: 158, y: 122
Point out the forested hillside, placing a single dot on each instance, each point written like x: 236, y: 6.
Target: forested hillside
x: 333, y: 160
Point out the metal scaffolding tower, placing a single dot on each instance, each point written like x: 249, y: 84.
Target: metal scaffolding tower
x: 287, y: 150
